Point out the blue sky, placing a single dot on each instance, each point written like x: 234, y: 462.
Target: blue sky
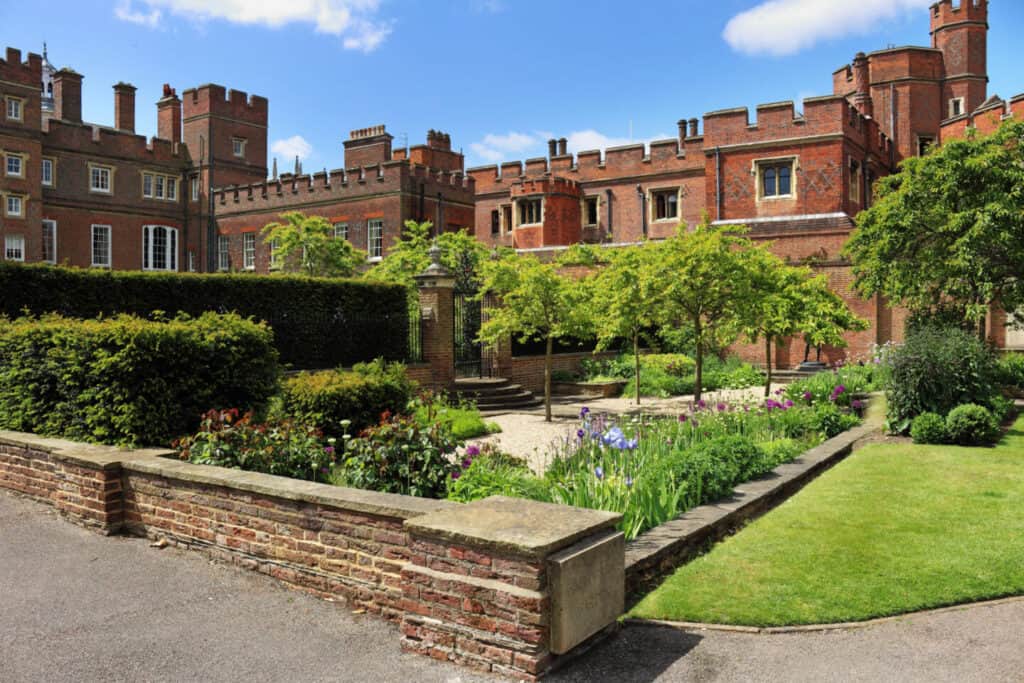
x: 501, y: 76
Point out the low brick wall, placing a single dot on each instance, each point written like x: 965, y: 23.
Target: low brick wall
x: 528, y: 371
x: 467, y: 583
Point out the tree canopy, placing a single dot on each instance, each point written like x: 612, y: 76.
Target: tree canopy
x: 306, y: 244
x: 948, y: 228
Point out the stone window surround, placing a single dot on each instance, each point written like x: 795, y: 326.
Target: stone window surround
x: 110, y: 178
x: 223, y: 253
x: 757, y: 167
x: 94, y: 230
x: 22, y: 201
x: 170, y: 248
x: 516, y: 211
x: 375, y: 239
x: 956, y: 107
x: 652, y: 196
x: 596, y: 198
x: 855, y: 179
x: 52, y: 225
x: 249, y: 250
x: 194, y: 187
x: 238, y: 147
x: 15, y: 103
x: 22, y: 159
x: 169, y: 187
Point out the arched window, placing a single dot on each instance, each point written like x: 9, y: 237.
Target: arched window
x: 159, y: 247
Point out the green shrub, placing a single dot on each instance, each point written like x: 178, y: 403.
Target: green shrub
x: 317, y: 322
x: 461, y: 417
x: 1011, y: 371
x: 929, y: 428
x: 821, y: 387
x: 713, y: 468
x: 339, y: 402
x: 972, y: 425
x: 400, y: 456
x: 828, y: 420
x: 936, y: 370
x: 130, y: 381
x: 732, y: 373
x: 674, y: 364
x: 282, y: 448
x: 1001, y: 408
x: 488, y: 472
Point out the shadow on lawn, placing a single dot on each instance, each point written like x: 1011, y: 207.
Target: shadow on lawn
x: 637, y: 653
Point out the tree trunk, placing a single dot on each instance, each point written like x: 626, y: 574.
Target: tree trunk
x: 636, y: 359
x: 768, y: 366
x: 547, y: 380
x: 699, y: 374
x: 981, y: 330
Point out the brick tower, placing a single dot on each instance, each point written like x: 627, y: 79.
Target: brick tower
x: 959, y: 28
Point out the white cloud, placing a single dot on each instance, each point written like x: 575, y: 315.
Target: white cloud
x: 501, y: 147
x: 785, y: 27
x: 124, y: 11
x: 289, y: 148
x: 514, y: 145
x: 355, y: 21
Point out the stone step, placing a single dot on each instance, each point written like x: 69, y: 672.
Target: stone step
x: 477, y: 394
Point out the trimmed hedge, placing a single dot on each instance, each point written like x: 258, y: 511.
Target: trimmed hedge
x: 129, y: 381
x: 317, y: 322
x: 329, y: 398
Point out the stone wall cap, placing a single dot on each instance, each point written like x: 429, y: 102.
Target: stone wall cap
x: 357, y: 500
x: 515, y: 526
x: 95, y: 456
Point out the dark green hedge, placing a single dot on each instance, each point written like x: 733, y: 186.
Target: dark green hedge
x: 317, y: 323
x: 130, y: 381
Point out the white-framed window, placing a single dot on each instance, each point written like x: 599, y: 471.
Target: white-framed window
x: 14, y: 206
x: 238, y: 147
x: 249, y: 250
x: 159, y: 247
x: 590, y: 210
x: 101, y: 246
x: 341, y: 231
x: 531, y: 211
x: 375, y: 238
x: 158, y: 186
x: 665, y: 205
x: 49, y: 240
x: 14, y: 247
x: 101, y: 179
x: 195, y: 188
x: 776, y: 178
x: 46, y: 172
x: 14, y: 165
x: 147, y: 184
x: 172, y: 189
x: 223, y: 256
x: 956, y: 107
x: 15, y: 107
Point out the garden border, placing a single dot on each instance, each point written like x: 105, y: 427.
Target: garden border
x: 660, y: 550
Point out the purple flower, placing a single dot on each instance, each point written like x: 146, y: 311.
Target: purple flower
x: 599, y: 472
x: 857, y: 405
x: 632, y: 444
x: 329, y: 450
x: 595, y: 434
x: 456, y: 475
x: 701, y: 404
x: 466, y: 463
x: 838, y: 390
x: 472, y: 450
x: 788, y: 404
x: 584, y: 411
x: 682, y: 417
x: 580, y: 433
x: 808, y: 396
x: 721, y: 407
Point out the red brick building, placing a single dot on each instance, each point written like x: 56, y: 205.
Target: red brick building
x: 195, y: 196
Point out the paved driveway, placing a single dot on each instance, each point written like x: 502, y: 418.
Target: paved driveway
x: 75, y: 606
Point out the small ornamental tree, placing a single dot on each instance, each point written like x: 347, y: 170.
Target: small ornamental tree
x: 948, y: 229
x: 705, y: 283
x: 624, y: 299
x: 461, y: 254
x: 535, y: 302
x: 307, y: 245
x: 777, y: 304
x: 826, y: 317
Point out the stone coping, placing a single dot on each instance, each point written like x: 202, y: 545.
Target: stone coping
x: 515, y: 526
x: 92, y: 456
x: 710, y: 522
x: 357, y: 500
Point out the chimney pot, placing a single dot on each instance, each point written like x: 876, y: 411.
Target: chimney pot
x: 552, y: 147
x: 124, y: 107
x: 693, y: 127
x: 562, y: 146
x: 67, y: 95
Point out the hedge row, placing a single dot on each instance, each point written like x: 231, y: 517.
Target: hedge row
x: 317, y: 323
x: 129, y: 381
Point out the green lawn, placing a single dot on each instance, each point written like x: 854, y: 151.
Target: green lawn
x: 891, y: 529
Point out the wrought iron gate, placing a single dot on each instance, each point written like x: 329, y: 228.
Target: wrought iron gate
x: 468, y: 351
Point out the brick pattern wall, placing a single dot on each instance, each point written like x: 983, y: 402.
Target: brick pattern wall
x: 320, y: 549
x: 478, y: 610
x: 90, y: 496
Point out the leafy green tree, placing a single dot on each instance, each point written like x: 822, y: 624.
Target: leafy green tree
x: 624, y: 299
x: 777, y: 305
x: 948, y: 228
x: 705, y: 283
x: 826, y: 317
x: 535, y: 302
x: 461, y: 254
x: 306, y: 244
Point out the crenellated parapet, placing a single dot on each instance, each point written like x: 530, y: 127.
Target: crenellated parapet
x: 551, y: 185
x: 28, y: 73
x: 100, y: 141
x: 219, y: 101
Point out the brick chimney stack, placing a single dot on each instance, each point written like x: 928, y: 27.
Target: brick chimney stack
x: 693, y: 127
x: 562, y: 147
x: 168, y: 116
x: 862, y: 85
x: 124, y: 107
x: 552, y: 147
x: 67, y: 95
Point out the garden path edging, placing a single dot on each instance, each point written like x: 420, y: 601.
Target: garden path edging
x: 818, y: 628
x: 660, y: 550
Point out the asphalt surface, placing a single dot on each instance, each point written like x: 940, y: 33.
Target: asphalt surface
x: 75, y: 606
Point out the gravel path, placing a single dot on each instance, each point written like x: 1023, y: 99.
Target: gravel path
x: 526, y: 434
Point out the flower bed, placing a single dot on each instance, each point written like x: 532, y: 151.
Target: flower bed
x: 651, y: 469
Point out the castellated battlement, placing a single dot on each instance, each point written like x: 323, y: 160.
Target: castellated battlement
x: 24, y: 73
x: 101, y: 141
x: 218, y: 100
x: 547, y: 186
x: 351, y: 183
